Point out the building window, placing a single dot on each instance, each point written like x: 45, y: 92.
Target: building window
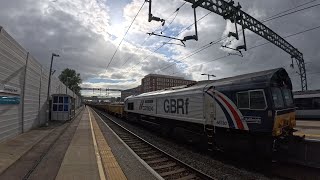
x: 60, y: 103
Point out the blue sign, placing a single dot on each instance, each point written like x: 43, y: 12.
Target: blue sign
x: 9, y: 100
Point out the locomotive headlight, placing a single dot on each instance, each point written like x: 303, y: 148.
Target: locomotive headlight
x: 278, y: 132
x: 292, y: 121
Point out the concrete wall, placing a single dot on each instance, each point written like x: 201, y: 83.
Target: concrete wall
x: 24, y: 81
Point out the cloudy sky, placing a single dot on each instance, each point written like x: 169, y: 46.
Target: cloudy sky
x: 86, y: 33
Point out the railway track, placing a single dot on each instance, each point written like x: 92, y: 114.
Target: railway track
x: 165, y: 165
x: 146, y: 151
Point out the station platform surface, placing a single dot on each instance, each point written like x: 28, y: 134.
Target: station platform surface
x: 309, y: 128
x: 13, y: 149
x: 89, y: 156
x: 84, y: 148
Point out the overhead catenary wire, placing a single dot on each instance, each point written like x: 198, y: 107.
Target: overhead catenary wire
x: 170, y: 40
x: 125, y: 34
x: 280, y: 14
x: 208, y: 45
x: 301, y: 32
x: 291, y: 12
x: 300, y: 5
x: 162, y: 31
x: 265, y: 20
x: 176, y: 14
x: 202, y: 48
x: 291, y: 35
x: 146, y: 39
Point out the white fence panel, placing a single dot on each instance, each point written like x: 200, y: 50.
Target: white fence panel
x: 43, y: 96
x: 12, y: 68
x: 32, y: 97
x: 23, y: 91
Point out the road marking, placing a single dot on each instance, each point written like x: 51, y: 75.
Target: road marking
x: 100, y: 167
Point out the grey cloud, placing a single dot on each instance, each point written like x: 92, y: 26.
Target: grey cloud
x: 117, y: 76
x: 58, y: 32
x: 87, y: 52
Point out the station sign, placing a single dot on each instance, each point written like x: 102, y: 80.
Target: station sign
x: 9, y: 100
x: 9, y: 95
x: 9, y: 89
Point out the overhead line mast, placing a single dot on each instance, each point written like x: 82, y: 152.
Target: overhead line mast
x: 228, y: 11
x: 234, y: 13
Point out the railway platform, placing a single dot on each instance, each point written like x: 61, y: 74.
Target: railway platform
x: 309, y: 128
x: 81, y: 149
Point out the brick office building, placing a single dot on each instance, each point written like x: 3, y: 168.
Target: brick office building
x: 129, y: 92
x: 154, y: 82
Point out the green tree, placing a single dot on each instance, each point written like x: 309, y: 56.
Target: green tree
x: 71, y: 79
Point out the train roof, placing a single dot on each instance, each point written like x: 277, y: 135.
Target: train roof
x: 259, y: 79
x: 306, y: 94
x: 256, y: 80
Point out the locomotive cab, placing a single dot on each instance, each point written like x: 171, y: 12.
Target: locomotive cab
x: 263, y: 101
x: 283, y: 106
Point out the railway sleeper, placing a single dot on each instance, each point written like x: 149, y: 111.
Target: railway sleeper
x: 135, y: 142
x: 179, y: 175
x: 138, y: 147
x: 141, y: 150
x: 169, y: 173
x: 170, y: 164
x: 147, y: 153
x: 126, y: 137
x: 157, y: 161
x: 147, y: 157
x: 190, y: 176
x: 128, y: 141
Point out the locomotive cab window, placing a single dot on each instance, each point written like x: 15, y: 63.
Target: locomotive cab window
x: 288, y: 97
x: 277, y: 98
x: 257, y: 100
x: 243, y: 100
x: 253, y: 100
x: 130, y: 106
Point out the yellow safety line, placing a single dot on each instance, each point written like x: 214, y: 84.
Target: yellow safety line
x: 111, y: 166
x: 96, y: 150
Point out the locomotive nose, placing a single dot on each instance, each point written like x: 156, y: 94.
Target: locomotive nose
x: 284, y: 123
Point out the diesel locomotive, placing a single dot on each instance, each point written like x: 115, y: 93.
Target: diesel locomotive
x: 253, y: 111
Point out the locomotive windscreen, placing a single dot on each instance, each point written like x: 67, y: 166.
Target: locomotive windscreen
x: 281, y: 79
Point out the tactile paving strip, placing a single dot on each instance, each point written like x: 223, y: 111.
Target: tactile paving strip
x: 110, y: 164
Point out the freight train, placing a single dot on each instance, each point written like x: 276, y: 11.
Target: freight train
x: 253, y: 111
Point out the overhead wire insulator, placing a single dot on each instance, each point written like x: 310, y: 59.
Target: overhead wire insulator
x: 234, y: 18
x: 154, y: 18
x: 235, y: 49
x: 186, y: 38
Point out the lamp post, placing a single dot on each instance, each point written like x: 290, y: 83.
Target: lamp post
x: 208, y: 75
x: 49, y: 83
x: 67, y: 83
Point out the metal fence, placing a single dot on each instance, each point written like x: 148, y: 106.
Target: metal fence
x: 23, y: 89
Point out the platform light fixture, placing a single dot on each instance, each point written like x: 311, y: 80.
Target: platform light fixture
x: 49, y: 84
x: 203, y: 74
